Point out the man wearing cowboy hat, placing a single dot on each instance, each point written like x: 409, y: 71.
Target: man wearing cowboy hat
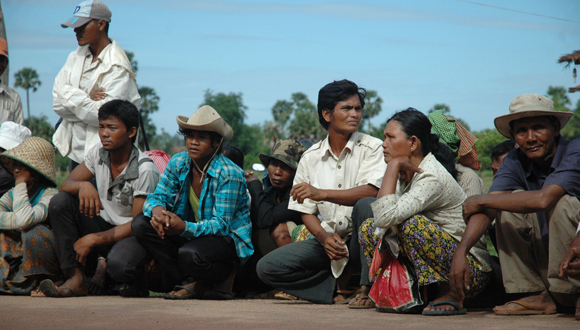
x: 534, y: 198
x: 196, y: 224
x: 10, y: 103
x: 97, y: 72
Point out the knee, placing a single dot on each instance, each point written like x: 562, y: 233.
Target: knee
x: 141, y: 225
x: 280, y: 233
x: 263, y: 269
x: 362, y: 210
x: 117, y: 268
x: 61, y: 202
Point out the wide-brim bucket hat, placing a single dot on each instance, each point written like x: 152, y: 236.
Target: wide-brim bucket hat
x: 207, y: 118
x: 287, y: 151
x: 34, y: 152
x: 529, y: 105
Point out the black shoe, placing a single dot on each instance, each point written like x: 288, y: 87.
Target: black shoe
x: 133, y: 291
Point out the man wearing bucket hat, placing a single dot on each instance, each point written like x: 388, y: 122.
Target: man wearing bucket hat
x: 269, y: 208
x: 11, y: 135
x: 10, y: 103
x: 97, y: 72
x: 534, y: 198
x: 196, y: 224
x: 29, y: 257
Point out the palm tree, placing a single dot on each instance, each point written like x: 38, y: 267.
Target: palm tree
x: 27, y: 78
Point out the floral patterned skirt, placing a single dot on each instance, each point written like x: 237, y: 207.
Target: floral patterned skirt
x: 429, y: 248
x: 26, y: 258
x: 300, y: 233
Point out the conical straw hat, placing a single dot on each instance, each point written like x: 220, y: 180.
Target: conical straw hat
x: 36, y: 153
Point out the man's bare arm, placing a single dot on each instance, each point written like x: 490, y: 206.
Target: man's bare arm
x: 347, y: 197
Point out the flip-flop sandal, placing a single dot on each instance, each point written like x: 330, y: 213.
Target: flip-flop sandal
x: 218, y: 295
x: 348, y: 294
x: 361, y: 305
x: 190, y: 295
x: 529, y: 310
x: 455, y: 305
x: 49, y: 289
x: 284, y: 296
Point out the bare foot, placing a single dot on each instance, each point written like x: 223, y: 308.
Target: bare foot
x: 191, y: 289
x: 98, y: 286
x: 37, y: 293
x: 532, y: 305
x: 361, y: 300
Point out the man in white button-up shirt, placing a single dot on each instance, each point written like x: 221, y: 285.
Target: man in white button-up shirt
x: 97, y: 72
x: 331, y: 177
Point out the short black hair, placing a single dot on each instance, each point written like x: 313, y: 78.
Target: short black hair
x: 234, y: 154
x: 337, y: 91
x: 502, y: 148
x: 125, y: 111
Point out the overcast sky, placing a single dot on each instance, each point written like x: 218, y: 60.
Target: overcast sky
x: 474, y: 58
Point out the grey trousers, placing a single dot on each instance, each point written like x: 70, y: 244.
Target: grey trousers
x: 527, y: 264
x: 360, y: 213
x: 301, y: 269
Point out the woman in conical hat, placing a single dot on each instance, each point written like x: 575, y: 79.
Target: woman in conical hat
x: 24, y: 210
x: 196, y: 224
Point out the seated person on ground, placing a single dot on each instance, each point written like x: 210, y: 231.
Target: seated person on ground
x: 11, y: 135
x: 462, y: 143
x: 28, y: 247
x: 331, y: 177
x: 534, y: 199
x: 419, y: 207
x: 92, y: 225
x: 269, y: 207
x: 196, y: 225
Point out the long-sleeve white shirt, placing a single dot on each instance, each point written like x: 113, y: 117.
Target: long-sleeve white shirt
x: 112, y: 71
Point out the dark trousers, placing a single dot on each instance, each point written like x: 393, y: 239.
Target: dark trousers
x: 206, y: 258
x: 301, y: 269
x: 360, y: 213
x: 68, y: 225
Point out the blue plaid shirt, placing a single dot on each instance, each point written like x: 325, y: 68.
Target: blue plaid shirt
x: 224, y: 205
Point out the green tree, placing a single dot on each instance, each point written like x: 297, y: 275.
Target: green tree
x: 486, y: 140
x: 373, y: 106
x: 149, y: 105
x: 27, y: 78
x: 297, y: 118
x: 250, y: 139
x: 559, y: 95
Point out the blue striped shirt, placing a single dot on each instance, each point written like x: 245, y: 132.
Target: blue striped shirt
x: 224, y: 205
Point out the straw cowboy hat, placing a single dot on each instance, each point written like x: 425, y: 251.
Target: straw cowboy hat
x: 207, y: 118
x: 34, y: 152
x: 529, y: 105
x: 287, y: 151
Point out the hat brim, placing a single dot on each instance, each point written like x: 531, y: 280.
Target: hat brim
x: 215, y: 126
x: 502, y: 123
x: 75, y: 22
x: 265, y: 159
x: 7, y: 143
x: 8, y: 163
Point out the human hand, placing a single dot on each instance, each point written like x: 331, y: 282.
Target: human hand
x: 158, y: 220
x: 83, y: 246
x: 173, y: 224
x: 459, y: 275
x: 250, y: 177
x: 98, y: 94
x: 89, y: 201
x: 405, y: 169
x: 22, y: 175
x: 334, y: 247
x: 471, y: 206
x: 303, y: 190
x: 570, y: 265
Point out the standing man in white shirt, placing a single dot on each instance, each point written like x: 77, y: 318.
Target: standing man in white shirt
x: 331, y: 177
x: 97, y: 72
x: 10, y: 102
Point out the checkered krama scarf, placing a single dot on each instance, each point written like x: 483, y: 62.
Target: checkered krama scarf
x: 456, y: 137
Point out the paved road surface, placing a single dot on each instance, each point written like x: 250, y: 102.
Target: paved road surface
x: 155, y: 313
